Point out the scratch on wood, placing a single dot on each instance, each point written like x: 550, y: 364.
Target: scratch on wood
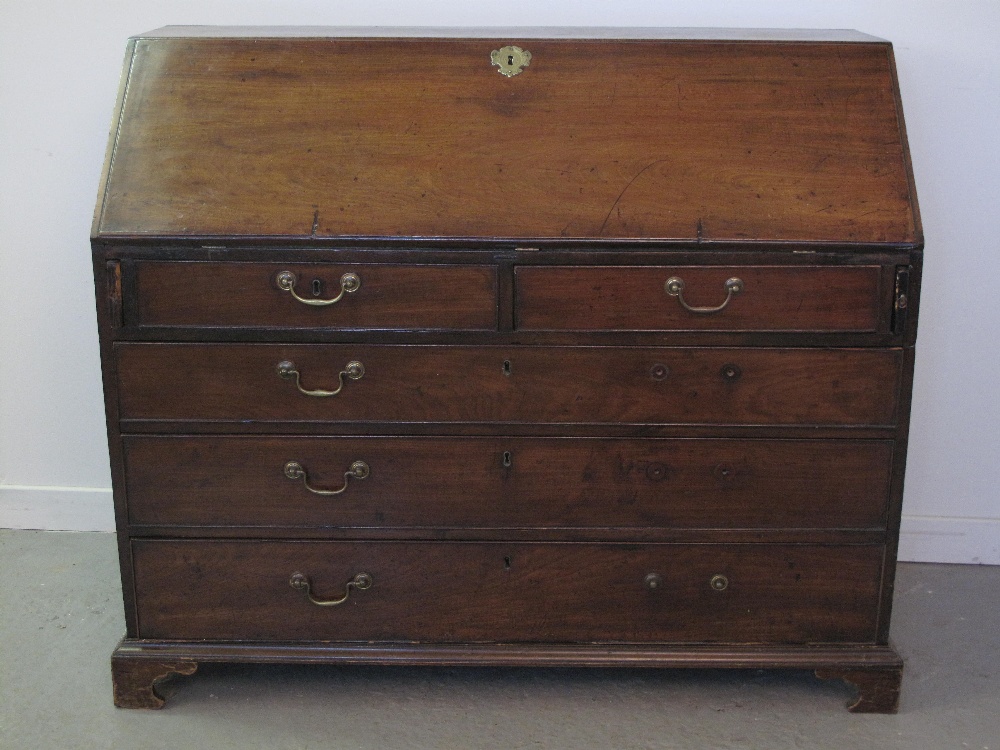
x: 699, y: 229
x: 624, y: 190
x: 315, y: 224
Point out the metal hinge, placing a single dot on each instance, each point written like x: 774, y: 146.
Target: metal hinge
x: 901, y: 299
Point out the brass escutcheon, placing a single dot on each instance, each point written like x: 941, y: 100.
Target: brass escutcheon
x: 510, y: 60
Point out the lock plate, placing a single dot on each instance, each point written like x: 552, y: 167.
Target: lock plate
x: 510, y: 60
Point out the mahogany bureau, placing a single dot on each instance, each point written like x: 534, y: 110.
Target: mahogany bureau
x: 508, y: 348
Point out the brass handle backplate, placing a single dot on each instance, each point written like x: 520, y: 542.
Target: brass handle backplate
x: 349, y: 283
x: 301, y: 582
x: 674, y: 286
x: 294, y: 471
x: 288, y: 371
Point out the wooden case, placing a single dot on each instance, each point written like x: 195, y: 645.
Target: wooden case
x: 543, y: 350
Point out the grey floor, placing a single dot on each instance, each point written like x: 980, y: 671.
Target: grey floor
x: 60, y: 617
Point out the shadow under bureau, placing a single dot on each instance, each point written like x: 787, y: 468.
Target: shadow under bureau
x: 519, y: 350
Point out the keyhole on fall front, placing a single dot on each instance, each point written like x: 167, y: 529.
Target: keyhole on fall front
x: 317, y: 287
x: 506, y: 459
x: 506, y: 563
x: 510, y: 59
x: 506, y: 367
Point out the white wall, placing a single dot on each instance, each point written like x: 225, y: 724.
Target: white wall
x: 59, y: 67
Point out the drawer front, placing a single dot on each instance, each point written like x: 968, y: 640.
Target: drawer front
x: 769, y: 298
x: 462, y: 592
x: 242, y: 382
x: 372, y: 296
x: 507, y: 482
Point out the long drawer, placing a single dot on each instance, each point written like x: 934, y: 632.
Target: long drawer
x: 513, y: 592
x: 313, y: 295
x: 727, y: 298
x: 505, y: 482
x: 603, y: 385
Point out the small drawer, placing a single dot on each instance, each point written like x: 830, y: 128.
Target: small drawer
x: 316, y: 295
x: 434, y: 482
x: 699, y: 298
x: 287, y: 383
x: 508, y: 592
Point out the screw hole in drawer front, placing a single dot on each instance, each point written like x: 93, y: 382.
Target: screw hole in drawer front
x: 719, y: 582
x: 659, y: 372
x: 731, y: 372
x: 725, y: 473
x: 657, y: 472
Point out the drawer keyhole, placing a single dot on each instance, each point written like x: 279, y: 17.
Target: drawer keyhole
x: 506, y: 367
x: 317, y: 287
x: 506, y: 563
x: 506, y: 459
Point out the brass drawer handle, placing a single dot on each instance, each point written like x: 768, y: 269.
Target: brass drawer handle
x: 301, y: 582
x: 353, y: 370
x: 294, y: 470
x: 349, y: 283
x: 675, y: 288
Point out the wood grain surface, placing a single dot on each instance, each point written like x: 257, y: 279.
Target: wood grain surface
x: 223, y: 481
x: 239, y: 382
x: 595, y: 139
x: 623, y: 298
x: 453, y: 592
x: 390, y: 297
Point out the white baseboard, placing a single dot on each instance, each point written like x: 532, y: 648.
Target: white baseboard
x: 947, y: 539
x: 56, y: 508
x: 940, y: 539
